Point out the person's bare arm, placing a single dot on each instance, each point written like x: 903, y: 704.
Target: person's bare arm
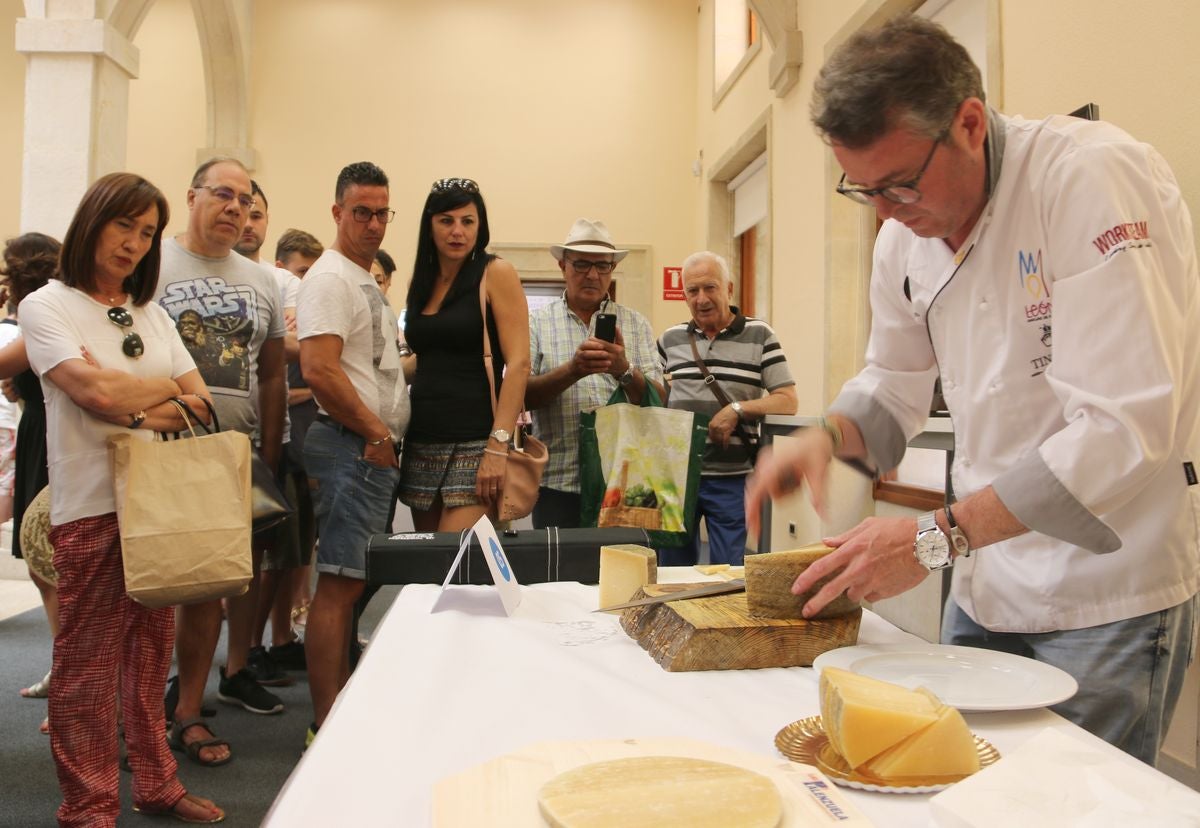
x: 109, y: 391
x: 320, y: 362
x: 272, y: 399
x: 13, y: 359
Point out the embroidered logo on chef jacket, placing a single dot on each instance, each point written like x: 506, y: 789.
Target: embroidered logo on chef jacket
x: 1127, y: 235
x: 1039, y: 309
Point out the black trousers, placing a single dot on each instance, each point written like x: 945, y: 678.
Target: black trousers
x: 556, y: 508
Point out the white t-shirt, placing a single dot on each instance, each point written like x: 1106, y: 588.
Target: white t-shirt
x: 225, y: 309
x: 338, y: 297
x: 10, y: 413
x: 289, y: 284
x: 57, y: 321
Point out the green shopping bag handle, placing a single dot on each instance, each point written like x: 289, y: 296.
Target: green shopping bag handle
x: 650, y: 398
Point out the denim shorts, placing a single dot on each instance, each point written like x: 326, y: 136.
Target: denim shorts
x: 351, y: 498
x: 1130, y: 672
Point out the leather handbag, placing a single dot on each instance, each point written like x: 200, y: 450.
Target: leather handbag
x: 526, y: 460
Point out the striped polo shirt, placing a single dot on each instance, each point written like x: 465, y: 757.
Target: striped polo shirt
x: 748, y: 362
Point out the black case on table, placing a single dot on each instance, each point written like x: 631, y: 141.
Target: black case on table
x: 536, y: 556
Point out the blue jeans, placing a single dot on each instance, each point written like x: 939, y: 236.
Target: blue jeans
x: 351, y: 500
x: 722, y: 504
x: 1130, y: 672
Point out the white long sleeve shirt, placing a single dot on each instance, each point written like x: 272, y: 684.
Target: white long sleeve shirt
x: 1066, y: 331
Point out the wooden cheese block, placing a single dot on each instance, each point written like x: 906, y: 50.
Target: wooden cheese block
x: 718, y: 633
x: 769, y: 579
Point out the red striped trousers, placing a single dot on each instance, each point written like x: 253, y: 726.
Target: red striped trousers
x: 105, y: 639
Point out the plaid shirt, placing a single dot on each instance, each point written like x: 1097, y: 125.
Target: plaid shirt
x: 554, y: 334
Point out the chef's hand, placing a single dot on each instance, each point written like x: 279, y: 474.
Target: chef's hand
x: 873, y: 561
x: 787, y: 465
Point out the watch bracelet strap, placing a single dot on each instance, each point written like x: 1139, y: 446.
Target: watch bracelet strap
x: 751, y: 443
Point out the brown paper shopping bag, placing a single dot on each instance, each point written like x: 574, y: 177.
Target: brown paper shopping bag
x: 184, y: 509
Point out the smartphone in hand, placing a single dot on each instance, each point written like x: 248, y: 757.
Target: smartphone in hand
x: 606, y: 327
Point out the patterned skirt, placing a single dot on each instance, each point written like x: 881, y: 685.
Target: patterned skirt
x: 428, y: 470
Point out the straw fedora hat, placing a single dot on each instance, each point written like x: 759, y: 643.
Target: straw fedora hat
x: 588, y: 236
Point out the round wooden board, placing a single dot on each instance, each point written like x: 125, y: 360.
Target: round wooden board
x: 503, y: 792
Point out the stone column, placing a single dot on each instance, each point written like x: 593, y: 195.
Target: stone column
x: 76, y: 113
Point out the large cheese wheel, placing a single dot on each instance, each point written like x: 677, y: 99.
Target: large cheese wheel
x: 658, y: 792
x: 624, y: 569
x: 769, y: 579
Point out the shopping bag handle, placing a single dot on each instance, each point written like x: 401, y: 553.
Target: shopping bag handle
x: 189, y: 415
x: 650, y: 398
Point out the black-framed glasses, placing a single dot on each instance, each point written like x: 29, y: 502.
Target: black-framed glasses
x: 905, y: 192
x: 464, y: 184
x: 226, y: 194
x: 132, y: 346
x: 584, y: 266
x: 383, y: 215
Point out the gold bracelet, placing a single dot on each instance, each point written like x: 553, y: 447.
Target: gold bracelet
x: 497, y: 453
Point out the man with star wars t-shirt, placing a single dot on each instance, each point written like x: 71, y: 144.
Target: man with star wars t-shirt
x: 229, y: 314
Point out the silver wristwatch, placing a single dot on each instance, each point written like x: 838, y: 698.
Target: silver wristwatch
x: 932, y: 548
x: 737, y: 409
x: 626, y: 379
x: 501, y: 435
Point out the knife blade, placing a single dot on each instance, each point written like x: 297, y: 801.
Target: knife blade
x: 720, y: 588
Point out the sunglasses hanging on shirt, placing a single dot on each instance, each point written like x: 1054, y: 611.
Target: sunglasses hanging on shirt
x: 132, y: 346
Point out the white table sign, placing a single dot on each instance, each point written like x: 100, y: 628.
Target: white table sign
x: 507, y: 586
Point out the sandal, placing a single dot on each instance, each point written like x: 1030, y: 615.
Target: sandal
x: 38, y: 690
x: 173, y: 812
x: 192, y: 749
x: 300, y: 620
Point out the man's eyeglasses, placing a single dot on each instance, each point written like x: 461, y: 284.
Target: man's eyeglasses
x: 905, y: 192
x: 383, y: 215
x: 464, y: 184
x: 584, y: 266
x: 226, y: 194
x: 132, y: 345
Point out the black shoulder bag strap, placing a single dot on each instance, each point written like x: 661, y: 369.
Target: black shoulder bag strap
x: 751, y: 443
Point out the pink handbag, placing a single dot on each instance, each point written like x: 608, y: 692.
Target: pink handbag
x: 526, y: 461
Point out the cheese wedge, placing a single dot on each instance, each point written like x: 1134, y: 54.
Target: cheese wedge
x: 624, y: 569
x: 655, y: 791
x: 863, y: 716
x: 945, y: 748
x: 769, y: 579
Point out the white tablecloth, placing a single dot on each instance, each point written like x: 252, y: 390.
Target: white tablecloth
x: 440, y: 692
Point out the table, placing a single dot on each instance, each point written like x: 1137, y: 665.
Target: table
x: 437, y: 693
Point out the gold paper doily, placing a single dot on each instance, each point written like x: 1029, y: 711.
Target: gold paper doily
x: 805, y: 741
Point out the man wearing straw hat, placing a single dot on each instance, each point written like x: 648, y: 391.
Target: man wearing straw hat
x: 572, y: 370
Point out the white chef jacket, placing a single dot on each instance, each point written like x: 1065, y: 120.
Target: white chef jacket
x: 1066, y: 331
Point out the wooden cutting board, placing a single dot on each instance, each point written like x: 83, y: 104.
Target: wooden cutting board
x: 718, y: 633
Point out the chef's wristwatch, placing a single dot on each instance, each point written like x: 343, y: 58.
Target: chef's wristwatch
x: 932, y: 548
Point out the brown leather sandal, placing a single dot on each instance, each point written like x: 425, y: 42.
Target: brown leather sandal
x: 192, y: 749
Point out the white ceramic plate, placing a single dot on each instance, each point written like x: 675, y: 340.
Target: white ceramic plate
x: 968, y: 678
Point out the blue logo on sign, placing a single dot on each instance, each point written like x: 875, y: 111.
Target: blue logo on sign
x: 501, y: 561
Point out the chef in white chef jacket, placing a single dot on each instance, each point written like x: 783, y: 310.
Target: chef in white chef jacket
x: 1046, y: 271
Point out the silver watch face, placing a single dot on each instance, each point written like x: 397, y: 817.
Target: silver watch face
x: 501, y: 435
x: 932, y: 550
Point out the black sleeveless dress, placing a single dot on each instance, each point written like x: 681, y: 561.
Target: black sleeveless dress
x: 32, y: 473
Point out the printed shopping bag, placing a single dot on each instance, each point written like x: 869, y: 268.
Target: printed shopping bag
x: 639, y: 466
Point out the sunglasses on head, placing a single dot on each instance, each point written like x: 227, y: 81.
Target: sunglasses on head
x: 132, y: 346
x: 464, y: 184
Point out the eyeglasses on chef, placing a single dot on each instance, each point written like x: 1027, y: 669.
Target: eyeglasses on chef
x: 905, y: 192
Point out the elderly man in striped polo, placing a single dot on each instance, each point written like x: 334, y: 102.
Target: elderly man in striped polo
x: 747, y: 378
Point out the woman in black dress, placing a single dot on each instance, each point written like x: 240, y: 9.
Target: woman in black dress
x: 452, y: 468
